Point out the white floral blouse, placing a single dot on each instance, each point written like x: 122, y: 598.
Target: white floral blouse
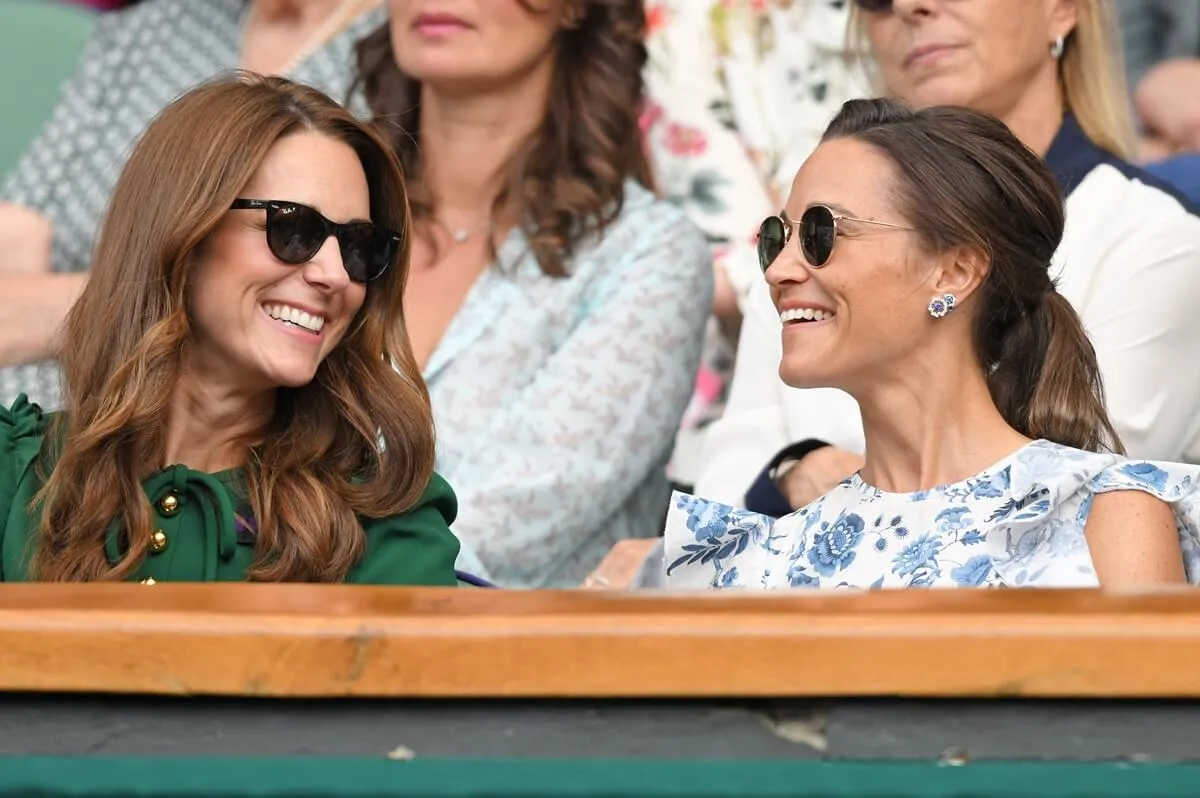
x: 1020, y: 523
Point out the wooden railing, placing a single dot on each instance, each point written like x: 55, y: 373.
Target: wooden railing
x: 306, y: 640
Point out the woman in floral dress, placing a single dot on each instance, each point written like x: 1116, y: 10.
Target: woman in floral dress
x: 911, y: 270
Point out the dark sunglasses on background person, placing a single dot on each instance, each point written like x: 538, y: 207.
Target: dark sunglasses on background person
x: 296, y: 233
x: 874, y: 6
x: 818, y: 227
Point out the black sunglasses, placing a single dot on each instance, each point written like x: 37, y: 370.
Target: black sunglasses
x: 818, y: 232
x: 296, y: 233
x: 874, y: 6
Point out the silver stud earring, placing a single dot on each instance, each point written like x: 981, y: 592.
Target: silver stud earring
x: 1057, y: 47
x: 939, y: 306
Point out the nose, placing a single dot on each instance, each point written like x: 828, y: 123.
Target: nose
x: 912, y: 9
x: 788, y: 268
x: 326, y: 270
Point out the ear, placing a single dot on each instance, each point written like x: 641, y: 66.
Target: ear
x: 962, y: 271
x: 1062, y: 16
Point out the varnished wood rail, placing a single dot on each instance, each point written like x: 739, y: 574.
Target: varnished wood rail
x: 307, y: 640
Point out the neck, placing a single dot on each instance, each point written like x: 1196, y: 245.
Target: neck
x: 468, y: 139
x: 209, y: 425
x: 1036, y: 116
x: 932, y: 425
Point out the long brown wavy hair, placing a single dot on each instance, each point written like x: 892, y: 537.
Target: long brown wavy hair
x: 357, y: 441
x: 964, y: 180
x: 567, y: 181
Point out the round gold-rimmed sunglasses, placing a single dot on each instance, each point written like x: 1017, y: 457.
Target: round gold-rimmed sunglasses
x: 818, y: 231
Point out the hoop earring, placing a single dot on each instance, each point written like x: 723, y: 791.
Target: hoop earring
x: 1057, y: 47
x: 939, y: 306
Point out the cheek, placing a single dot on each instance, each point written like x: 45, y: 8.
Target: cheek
x: 356, y: 296
x: 888, y: 47
x: 519, y: 34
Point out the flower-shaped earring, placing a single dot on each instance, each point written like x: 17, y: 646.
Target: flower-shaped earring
x: 941, y: 305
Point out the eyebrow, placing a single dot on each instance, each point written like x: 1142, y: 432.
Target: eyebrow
x: 833, y: 206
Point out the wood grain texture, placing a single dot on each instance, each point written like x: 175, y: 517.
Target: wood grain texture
x: 620, y: 567
x: 309, y: 640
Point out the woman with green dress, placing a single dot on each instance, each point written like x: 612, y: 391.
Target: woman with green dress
x: 241, y: 399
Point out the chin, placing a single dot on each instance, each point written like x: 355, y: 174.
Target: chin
x: 446, y: 69
x: 290, y: 376
x: 941, y: 90
x: 802, y: 376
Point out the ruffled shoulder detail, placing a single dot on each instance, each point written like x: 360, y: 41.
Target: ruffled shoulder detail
x: 1042, y: 544
x: 1177, y: 484
x: 22, y: 429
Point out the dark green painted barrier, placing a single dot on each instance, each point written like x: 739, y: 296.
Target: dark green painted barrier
x: 34, y: 777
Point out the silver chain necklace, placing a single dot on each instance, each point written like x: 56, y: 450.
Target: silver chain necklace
x: 460, y: 235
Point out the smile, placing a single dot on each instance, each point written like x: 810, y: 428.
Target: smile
x: 804, y: 314
x: 296, y: 317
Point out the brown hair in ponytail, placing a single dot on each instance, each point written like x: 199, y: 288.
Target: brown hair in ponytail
x: 964, y: 180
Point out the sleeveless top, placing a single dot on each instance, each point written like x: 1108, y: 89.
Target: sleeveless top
x: 1019, y: 523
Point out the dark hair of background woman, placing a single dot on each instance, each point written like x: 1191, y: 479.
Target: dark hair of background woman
x: 567, y: 182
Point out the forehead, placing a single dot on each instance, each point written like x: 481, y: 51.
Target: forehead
x: 847, y: 175
x: 315, y: 170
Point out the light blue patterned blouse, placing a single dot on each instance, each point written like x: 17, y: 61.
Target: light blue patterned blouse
x: 557, y: 400
x: 1020, y: 523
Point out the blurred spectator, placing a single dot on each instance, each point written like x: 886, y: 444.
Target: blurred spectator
x: 136, y: 61
x: 556, y: 305
x: 1153, y: 31
x: 1162, y: 47
x: 103, y: 5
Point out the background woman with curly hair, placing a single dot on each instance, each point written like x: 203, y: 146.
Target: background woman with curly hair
x: 555, y: 305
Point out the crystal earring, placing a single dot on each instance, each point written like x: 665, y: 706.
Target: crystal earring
x: 939, y: 306
x: 1057, y: 47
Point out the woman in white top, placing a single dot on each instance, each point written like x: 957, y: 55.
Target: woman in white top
x: 911, y: 267
x: 1129, y: 260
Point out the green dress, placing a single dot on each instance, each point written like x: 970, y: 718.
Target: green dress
x: 202, y: 534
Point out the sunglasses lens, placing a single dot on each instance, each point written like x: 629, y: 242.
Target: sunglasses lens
x: 294, y: 233
x: 367, y: 251
x: 772, y: 235
x: 874, y: 6
x: 817, y: 234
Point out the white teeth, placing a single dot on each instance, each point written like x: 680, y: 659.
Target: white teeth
x: 804, y: 314
x: 296, y: 316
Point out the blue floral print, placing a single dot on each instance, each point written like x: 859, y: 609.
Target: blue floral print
x: 1018, y: 524
x: 833, y: 550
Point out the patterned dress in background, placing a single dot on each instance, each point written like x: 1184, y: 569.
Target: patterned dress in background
x: 135, y: 63
x: 1019, y: 523
x: 739, y: 92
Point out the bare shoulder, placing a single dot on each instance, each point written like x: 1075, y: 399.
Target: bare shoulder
x: 1133, y: 540
x: 1130, y: 507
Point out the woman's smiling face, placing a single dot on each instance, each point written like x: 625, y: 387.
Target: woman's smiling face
x: 867, y: 304
x: 257, y: 322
